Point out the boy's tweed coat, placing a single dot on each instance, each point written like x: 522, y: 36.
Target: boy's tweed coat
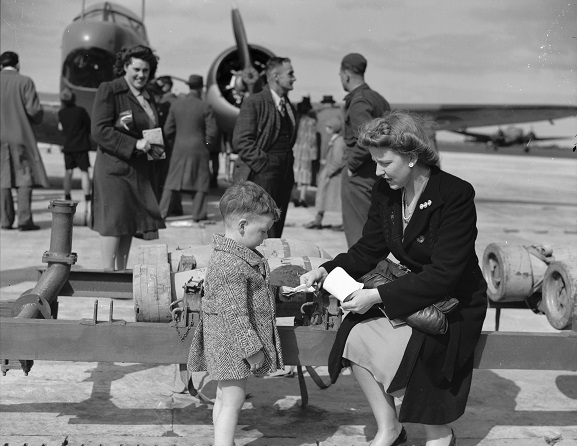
x: 238, y: 314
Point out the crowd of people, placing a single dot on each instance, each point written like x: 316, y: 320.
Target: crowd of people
x: 380, y: 169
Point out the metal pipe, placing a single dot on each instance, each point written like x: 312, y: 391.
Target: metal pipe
x: 35, y: 303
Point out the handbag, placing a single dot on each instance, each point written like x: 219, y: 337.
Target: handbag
x: 432, y: 319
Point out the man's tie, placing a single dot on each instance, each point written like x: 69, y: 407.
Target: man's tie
x: 282, y: 107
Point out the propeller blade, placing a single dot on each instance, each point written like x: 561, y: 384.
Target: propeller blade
x: 249, y: 73
x: 241, y: 40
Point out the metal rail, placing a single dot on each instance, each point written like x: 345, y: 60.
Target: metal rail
x: 118, y: 285
x: 96, y: 283
x: 158, y: 343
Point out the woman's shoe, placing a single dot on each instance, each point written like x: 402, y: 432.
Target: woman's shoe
x: 313, y: 225
x: 296, y: 202
x: 402, y: 438
x: 453, y: 439
x: 304, y: 204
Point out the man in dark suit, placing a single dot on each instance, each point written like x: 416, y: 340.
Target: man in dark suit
x: 264, y: 135
x: 358, y: 177
x: 21, y: 165
x: 192, y: 124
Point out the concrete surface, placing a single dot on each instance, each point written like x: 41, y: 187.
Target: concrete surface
x: 520, y: 200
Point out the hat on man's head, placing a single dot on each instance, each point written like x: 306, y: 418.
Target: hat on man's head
x: 155, y: 88
x: 195, y: 81
x: 328, y: 99
x: 355, y: 62
x: 67, y: 96
x: 334, y: 123
x: 164, y: 80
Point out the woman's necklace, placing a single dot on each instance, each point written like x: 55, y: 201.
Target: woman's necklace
x: 409, y: 208
x: 406, y: 214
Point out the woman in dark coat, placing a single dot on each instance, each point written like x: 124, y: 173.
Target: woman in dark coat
x: 124, y: 204
x: 426, y: 219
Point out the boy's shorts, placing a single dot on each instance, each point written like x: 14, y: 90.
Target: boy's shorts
x: 77, y: 159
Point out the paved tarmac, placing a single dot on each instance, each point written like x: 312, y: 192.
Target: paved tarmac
x: 520, y: 200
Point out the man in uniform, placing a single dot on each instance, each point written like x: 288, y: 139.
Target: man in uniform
x: 359, y: 174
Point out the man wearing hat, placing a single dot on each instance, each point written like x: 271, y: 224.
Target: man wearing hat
x: 328, y: 99
x: 21, y: 165
x: 74, y: 123
x: 264, y: 136
x: 359, y: 175
x: 164, y: 83
x: 191, y: 123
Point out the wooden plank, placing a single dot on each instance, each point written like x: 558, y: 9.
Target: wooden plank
x: 152, y: 292
x: 151, y: 254
x: 158, y: 343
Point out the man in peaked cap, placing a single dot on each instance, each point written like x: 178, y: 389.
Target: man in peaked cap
x: 359, y: 174
x: 191, y: 122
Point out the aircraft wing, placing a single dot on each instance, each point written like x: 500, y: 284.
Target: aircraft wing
x: 459, y: 116
x: 550, y: 138
x: 478, y: 137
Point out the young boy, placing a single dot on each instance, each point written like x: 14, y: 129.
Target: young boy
x: 74, y: 122
x: 237, y: 334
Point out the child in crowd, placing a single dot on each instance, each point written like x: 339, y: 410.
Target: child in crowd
x: 74, y: 123
x: 329, y: 182
x: 237, y: 334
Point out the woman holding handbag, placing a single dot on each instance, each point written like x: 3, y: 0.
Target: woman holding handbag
x: 426, y: 219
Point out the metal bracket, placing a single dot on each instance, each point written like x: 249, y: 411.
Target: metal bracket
x: 58, y: 257
x: 32, y: 299
x: 94, y: 320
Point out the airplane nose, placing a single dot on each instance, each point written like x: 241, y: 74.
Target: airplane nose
x: 89, y: 51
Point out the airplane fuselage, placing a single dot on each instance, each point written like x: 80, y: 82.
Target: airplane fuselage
x: 89, y: 47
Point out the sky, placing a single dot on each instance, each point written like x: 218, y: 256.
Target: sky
x: 418, y: 51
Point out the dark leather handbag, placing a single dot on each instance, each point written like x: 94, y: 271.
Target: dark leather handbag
x: 432, y: 319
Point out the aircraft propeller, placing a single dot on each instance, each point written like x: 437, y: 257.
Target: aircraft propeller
x: 248, y: 72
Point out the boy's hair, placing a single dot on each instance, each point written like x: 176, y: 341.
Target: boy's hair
x: 247, y: 199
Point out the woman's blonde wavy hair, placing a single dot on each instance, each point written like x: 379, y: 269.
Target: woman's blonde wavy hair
x: 403, y: 132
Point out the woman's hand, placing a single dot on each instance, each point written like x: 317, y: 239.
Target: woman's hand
x: 361, y: 300
x: 256, y: 361
x: 143, y: 145
x: 314, y: 276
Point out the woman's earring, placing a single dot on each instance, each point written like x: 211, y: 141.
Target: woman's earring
x: 411, y: 164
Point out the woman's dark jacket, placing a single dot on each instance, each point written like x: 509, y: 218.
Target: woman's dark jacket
x: 436, y: 370
x: 124, y: 202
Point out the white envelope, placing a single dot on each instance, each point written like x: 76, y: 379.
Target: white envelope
x: 340, y: 284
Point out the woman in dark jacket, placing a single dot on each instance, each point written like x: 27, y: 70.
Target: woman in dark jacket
x: 124, y: 204
x: 426, y: 219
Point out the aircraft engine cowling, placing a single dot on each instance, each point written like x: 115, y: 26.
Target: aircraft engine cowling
x: 225, y: 88
x: 88, y: 55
